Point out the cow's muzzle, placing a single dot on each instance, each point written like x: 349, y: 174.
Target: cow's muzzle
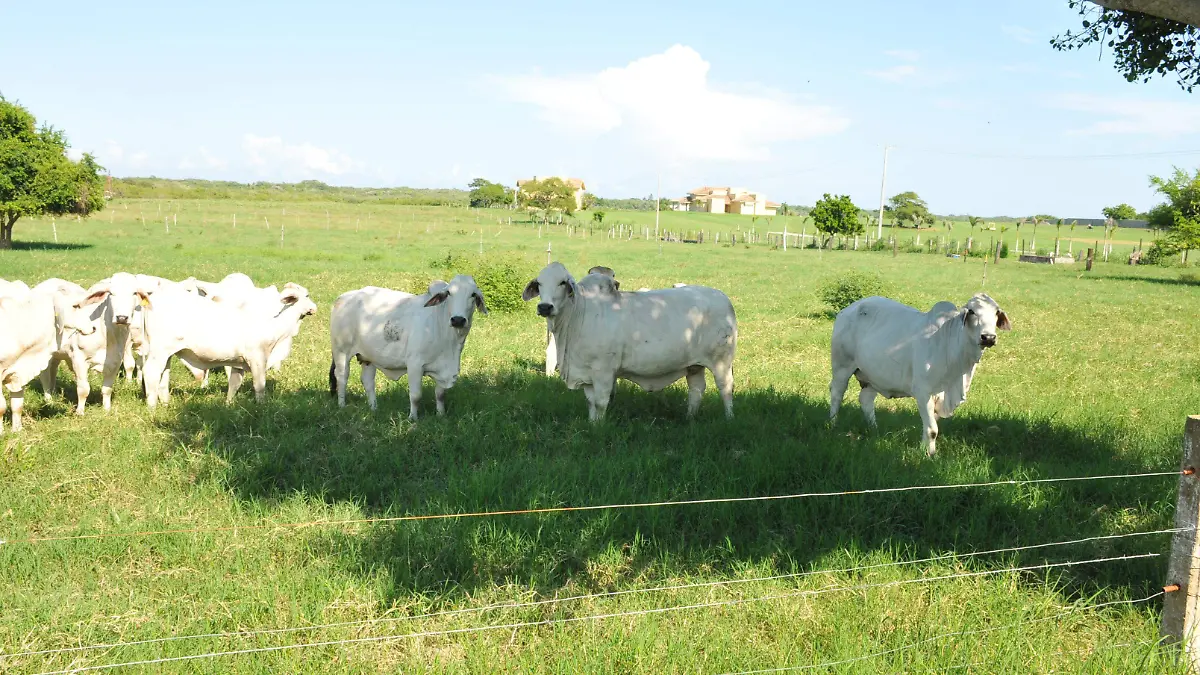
x: 121, y: 320
x: 987, y: 340
x: 458, y: 321
x: 545, y: 309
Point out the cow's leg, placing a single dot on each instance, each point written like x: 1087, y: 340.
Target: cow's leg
x: 837, y: 388
x: 368, y: 383
x: 439, y: 395
x: 235, y: 383
x: 415, y: 372
x: 341, y: 370
x: 49, y: 378
x: 80, y: 366
x: 258, y: 374
x: 866, y: 401
x: 602, y: 388
x: 723, y: 374
x: 695, y: 382
x: 3, y: 408
x: 17, y: 403
x: 151, y: 373
x: 128, y: 361
x: 590, y: 394
x: 112, y: 362
x: 929, y: 421
x: 551, y: 352
x: 164, y: 382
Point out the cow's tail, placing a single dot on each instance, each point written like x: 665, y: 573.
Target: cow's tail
x: 333, y: 378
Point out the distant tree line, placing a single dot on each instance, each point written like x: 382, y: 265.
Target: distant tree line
x: 309, y: 190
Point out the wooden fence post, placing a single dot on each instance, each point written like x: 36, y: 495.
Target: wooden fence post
x: 1181, y: 604
x: 1089, y: 260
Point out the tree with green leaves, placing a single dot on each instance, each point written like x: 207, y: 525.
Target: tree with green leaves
x: 486, y: 194
x: 836, y: 215
x: 1119, y: 212
x: 36, y: 176
x: 549, y: 194
x: 598, y: 216
x: 1146, y: 37
x: 907, y: 207
x: 1179, y: 216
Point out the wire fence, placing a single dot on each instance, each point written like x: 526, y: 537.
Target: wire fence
x: 627, y: 614
x: 594, y: 507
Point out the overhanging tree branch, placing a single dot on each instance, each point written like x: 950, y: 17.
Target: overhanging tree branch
x: 1183, y: 11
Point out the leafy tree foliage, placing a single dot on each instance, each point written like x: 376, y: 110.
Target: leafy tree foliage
x: 485, y: 194
x: 589, y: 201
x: 1120, y: 212
x: 836, y: 215
x: 1180, y: 215
x: 598, y: 216
x: 1143, y: 45
x: 549, y: 194
x: 37, y: 177
x: 907, y: 207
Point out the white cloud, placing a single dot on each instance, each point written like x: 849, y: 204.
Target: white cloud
x: 667, y: 102
x: 187, y: 163
x: 270, y: 152
x: 138, y: 159
x: 1157, y: 118
x: 113, y: 152
x: 211, y: 161
x: 1019, y: 33
x: 74, y: 155
x: 896, y: 74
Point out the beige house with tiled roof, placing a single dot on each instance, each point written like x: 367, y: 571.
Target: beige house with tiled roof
x: 708, y: 199
x: 575, y: 183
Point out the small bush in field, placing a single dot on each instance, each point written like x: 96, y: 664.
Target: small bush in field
x: 842, y: 291
x: 500, y: 279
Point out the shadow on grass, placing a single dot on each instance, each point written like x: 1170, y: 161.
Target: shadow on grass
x: 1181, y: 280
x: 519, y: 440
x: 45, y: 246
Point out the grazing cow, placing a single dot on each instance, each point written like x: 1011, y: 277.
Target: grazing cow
x: 651, y: 338
x: 897, y: 351
x: 117, y: 298
x: 551, y: 347
x: 400, y: 333
x: 26, y: 344
x: 206, y: 334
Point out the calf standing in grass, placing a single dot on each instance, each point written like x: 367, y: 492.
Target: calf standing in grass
x: 27, y: 343
x: 897, y: 351
x: 205, y: 334
x: 400, y: 333
x: 651, y: 338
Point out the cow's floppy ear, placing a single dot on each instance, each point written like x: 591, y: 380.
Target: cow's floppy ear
x: 570, y: 287
x: 967, y: 313
x: 479, y: 303
x: 143, y: 298
x: 531, y: 290
x: 1002, y: 321
x: 437, y: 298
x: 616, y: 285
x: 94, y: 295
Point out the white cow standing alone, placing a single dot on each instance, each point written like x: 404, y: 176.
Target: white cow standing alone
x: 27, y: 343
x: 897, y: 351
x: 551, y: 347
x: 400, y: 333
x: 205, y: 334
x: 651, y: 338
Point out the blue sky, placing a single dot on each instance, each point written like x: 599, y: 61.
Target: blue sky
x: 794, y: 99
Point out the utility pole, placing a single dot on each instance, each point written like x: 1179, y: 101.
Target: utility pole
x: 882, y: 190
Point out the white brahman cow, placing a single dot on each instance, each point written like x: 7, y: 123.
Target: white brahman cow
x: 117, y: 298
x: 651, y: 338
x: 26, y: 343
x: 400, y: 333
x: 551, y: 347
x: 206, y: 334
x: 897, y: 351
x: 80, y: 339
x: 238, y: 291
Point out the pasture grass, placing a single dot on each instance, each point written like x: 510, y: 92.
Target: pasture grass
x: 1096, y: 378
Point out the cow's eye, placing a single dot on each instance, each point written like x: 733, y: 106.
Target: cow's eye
x: 562, y: 283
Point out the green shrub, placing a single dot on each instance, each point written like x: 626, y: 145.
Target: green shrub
x: 500, y: 279
x: 1004, y: 250
x: 842, y: 291
x: 1161, y: 252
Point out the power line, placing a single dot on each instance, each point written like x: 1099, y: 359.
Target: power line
x: 984, y: 155
x: 597, y: 507
x: 597, y: 617
x: 577, y: 598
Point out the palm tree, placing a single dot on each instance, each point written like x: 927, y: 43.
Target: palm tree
x: 1020, y: 222
x: 1036, y: 221
x: 1057, y: 234
x: 1071, y: 244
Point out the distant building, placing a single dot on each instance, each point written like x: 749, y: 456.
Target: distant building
x: 710, y: 199
x: 575, y: 183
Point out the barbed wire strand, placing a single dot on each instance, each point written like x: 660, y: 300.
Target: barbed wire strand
x: 977, y: 631
x: 598, y: 617
x: 592, y: 596
x: 566, y: 509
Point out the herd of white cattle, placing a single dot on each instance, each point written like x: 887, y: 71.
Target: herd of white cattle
x: 597, y: 334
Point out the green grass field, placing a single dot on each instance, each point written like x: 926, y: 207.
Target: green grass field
x: 1096, y: 378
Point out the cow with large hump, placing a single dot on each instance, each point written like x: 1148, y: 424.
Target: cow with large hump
x: 27, y: 343
x: 399, y: 333
x: 897, y: 351
x: 205, y: 334
x: 551, y: 346
x: 652, y: 338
